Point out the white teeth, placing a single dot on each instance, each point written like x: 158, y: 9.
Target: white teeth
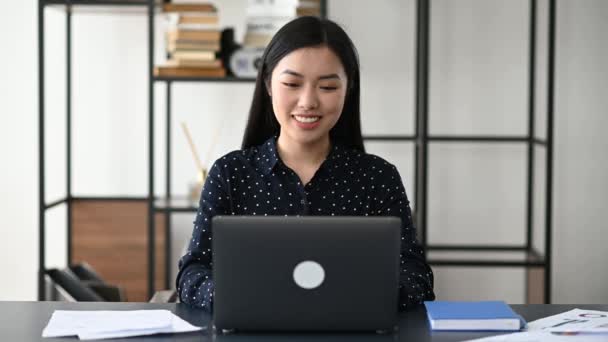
x: 306, y: 119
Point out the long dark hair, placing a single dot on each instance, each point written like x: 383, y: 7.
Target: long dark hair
x: 299, y: 33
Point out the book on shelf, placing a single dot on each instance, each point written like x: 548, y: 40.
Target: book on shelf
x: 185, y: 18
x: 190, y: 7
x: 210, y: 64
x: 473, y: 316
x: 186, y: 45
x: 202, y: 55
x: 196, y: 27
x: 207, y: 36
x: 171, y: 71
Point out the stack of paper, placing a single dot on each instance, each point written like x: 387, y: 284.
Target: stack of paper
x: 88, y: 325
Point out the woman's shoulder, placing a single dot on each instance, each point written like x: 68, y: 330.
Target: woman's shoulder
x: 368, y: 160
x: 235, y: 157
x: 376, y: 171
x: 246, y: 160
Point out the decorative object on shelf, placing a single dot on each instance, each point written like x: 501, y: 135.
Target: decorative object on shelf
x: 193, y: 41
x: 228, y: 47
x: 194, y: 189
x: 266, y: 17
x: 245, y: 62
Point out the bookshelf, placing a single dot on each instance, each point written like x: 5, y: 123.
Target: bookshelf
x: 526, y: 256
x: 158, y: 211
x: 536, y: 264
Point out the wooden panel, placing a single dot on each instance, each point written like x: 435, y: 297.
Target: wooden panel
x: 535, y: 286
x: 111, y: 235
x: 159, y: 273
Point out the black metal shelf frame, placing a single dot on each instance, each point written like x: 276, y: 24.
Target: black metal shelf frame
x: 534, y: 259
x: 147, y: 6
x: 422, y: 138
x: 421, y: 141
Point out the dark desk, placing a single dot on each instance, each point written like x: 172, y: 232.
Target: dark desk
x: 24, y: 321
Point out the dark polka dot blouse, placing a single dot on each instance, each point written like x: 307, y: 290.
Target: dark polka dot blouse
x: 256, y: 182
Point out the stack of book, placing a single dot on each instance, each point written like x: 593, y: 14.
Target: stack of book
x: 193, y: 41
x: 266, y: 17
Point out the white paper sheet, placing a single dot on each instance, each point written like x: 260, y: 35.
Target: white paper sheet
x: 112, y: 324
x: 576, y: 320
x: 572, y: 326
x: 542, y: 336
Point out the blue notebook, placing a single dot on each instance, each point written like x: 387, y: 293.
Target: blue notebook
x: 473, y: 316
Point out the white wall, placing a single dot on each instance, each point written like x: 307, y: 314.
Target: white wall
x: 478, y: 86
x: 18, y: 146
x: 581, y: 160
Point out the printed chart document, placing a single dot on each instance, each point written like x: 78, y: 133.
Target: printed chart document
x: 543, y: 336
x: 576, y: 320
x: 89, y: 325
x: 575, y: 326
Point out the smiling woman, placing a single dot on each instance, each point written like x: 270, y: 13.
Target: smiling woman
x: 303, y: 154
x: 310, y: 62
x: 309, y: 85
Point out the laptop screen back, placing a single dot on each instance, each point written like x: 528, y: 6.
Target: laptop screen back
x: 305, y: 273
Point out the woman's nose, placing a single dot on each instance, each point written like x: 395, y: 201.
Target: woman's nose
x: 309, y: 99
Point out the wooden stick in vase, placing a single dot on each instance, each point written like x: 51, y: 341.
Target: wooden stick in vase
x: 214, y: 142
x: 192, y: 148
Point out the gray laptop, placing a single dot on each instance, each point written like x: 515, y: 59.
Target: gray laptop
x: 313, y: 273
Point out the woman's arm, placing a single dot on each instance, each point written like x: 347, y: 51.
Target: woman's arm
x: 415, y: 275
x: 194, y: 280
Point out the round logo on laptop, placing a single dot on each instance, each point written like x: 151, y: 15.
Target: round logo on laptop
x: 308, y: 274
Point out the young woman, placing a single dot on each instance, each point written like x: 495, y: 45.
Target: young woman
x: 303, y: 154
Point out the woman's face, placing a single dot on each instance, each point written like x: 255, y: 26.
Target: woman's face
x: 308, y: 88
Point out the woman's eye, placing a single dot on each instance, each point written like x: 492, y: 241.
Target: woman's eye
x: 290, y: 85
x: 329, y: 88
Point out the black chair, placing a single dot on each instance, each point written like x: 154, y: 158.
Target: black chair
x: 85, y: 272
x: 83, y: 284
x: 74, y: 287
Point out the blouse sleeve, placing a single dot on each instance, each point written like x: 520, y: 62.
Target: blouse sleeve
x: 194, y: 279
x: 415, y: 275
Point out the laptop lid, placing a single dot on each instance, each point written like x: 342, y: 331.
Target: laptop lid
x: 280, y: 273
